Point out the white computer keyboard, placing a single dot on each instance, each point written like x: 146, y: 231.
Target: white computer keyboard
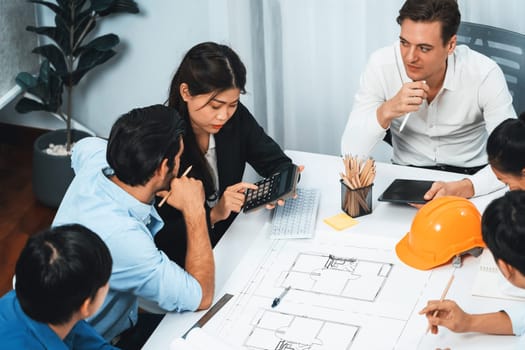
x: 297, y: 218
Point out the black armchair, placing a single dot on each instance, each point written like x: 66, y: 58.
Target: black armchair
x: 505, y: 47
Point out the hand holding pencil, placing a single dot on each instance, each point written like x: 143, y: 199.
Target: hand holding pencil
x: 445, y: 313
x: 423, y: 97
x: 186, y: 172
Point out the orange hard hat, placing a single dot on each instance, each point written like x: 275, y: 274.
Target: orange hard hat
x: 442, y: 229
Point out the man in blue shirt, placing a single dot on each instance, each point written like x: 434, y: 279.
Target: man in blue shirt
x: 113, y: 194
x: 61, y: 278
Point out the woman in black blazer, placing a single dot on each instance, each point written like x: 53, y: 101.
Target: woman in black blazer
x: 221, y: 137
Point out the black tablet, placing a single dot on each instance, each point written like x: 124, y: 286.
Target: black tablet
x: 406, y: 191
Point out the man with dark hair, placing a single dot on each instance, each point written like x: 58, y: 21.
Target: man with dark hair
x: 503, y: 229
x: 61, y: 278
x: 113, y: 194
x: 440, y: 102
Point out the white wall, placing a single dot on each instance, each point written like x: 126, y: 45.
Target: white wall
x: 324, y: 47
x: 152, y: 45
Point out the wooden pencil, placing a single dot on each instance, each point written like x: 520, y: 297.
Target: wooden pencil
x: 443, y: 296
x: 169, y: 193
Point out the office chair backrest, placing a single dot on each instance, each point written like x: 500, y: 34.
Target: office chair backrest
x: 505, y: 47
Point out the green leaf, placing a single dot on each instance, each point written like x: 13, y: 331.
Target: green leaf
x: 83, y: 17
x: 88, y: 60
x: 86, y: 23
x: 50, y: 32
x: 100, y: 5
x: 41, y: 89
x: 45, y: 71
x: 103, y: 43
x: 63, y: 30
x: 129, y: 6
x: 74, y: 21
x: 25, y: 105
x: 120, y: 6
x: 47, y: 87
x: 55, y: 57
x: 53, y: 33
x: 25, y: 80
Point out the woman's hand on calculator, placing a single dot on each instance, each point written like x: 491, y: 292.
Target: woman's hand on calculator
x: 231, y: 201
x: 282, y: 201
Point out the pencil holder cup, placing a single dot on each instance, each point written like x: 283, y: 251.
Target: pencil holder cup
x: 356, y: 202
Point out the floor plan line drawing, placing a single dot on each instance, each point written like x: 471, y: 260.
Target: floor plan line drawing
x: 356, y: 287
x: 346, y: 277
x: 274, y: 330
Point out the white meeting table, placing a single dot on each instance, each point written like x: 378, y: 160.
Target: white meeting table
x: 387, y: 220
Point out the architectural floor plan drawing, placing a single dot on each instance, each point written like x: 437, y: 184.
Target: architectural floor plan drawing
x: 280, y: 331
x: 353, y: 291
x: 346, y: 277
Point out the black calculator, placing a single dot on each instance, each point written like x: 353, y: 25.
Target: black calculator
x: 278, y: 186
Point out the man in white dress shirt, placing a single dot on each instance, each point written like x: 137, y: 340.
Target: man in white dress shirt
x: 439, y: 101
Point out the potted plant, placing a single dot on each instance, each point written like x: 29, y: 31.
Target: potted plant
x: 71, y: 52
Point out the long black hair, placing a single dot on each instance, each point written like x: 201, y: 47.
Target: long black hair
x: 206, y: 68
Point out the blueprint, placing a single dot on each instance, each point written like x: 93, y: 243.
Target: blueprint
x: 341, y: 296
x: 281, y: 331
x: 346, y: 277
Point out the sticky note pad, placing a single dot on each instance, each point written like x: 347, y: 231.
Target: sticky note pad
x: 341, y: 221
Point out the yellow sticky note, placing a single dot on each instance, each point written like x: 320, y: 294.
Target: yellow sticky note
x: 341, y: 221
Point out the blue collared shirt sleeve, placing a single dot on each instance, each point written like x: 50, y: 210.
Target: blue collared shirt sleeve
x: 142, y: 269
x: 89, y: 152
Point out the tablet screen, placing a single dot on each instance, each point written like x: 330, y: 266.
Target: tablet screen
x: 406, y: 191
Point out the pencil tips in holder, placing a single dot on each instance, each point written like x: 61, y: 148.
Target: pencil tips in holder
x: 356, y: 202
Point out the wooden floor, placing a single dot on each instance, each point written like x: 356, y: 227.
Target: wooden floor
x: 20, y: 214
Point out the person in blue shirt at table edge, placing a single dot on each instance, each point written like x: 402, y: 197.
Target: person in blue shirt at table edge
x: 503, y: 230
x: 222, y: 136
x: 113, y: 194
x: 452, y: 96
x: 62, y: 278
